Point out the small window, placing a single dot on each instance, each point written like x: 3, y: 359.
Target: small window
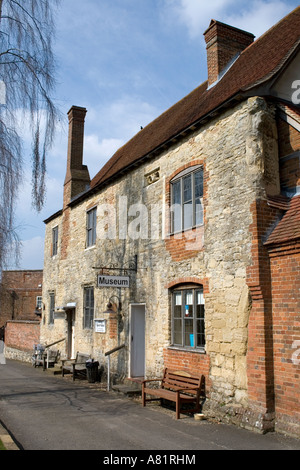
x: 88, y: 314
x: 187, y: 200
x: 52, y: 308
x: 91, y: 225
x: 39, y: 302
x: 54, y: 241
x: 188, y: 318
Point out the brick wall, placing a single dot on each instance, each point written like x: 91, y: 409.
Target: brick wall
x: 260, y: 344
x: 186, y: 361
x: 285, y: 269
x: 22, y: 335
x: 18, y: 295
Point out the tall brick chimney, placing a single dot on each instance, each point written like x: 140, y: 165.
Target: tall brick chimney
x: 77, y: 176
x: 224, y: 42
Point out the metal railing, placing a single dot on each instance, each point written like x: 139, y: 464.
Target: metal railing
x: 108, y: 354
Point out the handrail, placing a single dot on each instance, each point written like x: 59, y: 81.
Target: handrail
x: 56, y: 342
x: 108, y: 354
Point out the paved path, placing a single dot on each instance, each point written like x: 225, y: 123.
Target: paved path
x: 46, y: 412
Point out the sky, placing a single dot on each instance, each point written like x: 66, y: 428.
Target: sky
x: 126, y: 61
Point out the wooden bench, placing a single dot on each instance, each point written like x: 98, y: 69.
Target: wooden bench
x: 50, y: 358
x: 76, y: 366
x: 179, y: 387
x: 46, y: 359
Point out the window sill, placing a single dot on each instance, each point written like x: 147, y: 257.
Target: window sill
x: 186, y: 230
x: 88, y: 248
x: 187, y: 349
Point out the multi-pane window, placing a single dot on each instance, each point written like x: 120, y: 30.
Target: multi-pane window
x: 88, y: 314
x: 39, y: 302
x: 188, y: 318
x: 91, y: 225
x: 54, y: 241
x: 52, y: 308
x: 187, y: 199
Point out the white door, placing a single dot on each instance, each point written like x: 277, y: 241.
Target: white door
x: 137, y: 356
x: 71, y: 334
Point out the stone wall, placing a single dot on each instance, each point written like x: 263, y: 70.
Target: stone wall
x: 238, y: 151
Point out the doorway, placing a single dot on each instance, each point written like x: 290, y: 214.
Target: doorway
x: 71, y: 333
x: 137, y: 349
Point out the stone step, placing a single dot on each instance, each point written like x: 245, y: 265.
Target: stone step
x: 126, y: 390
x: 56, y: 370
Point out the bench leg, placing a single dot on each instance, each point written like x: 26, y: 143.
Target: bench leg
x: 143, y: 396
x: 177, y: 406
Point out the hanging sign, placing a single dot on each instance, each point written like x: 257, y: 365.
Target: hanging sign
x: 113, y: 281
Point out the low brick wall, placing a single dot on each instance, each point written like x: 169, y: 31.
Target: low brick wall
x: 20, y: 338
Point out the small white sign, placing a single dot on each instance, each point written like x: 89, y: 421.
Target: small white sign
x: 113, y: 281
x: 100, y: 326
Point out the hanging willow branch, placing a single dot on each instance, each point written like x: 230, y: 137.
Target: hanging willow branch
x: 26, y: 83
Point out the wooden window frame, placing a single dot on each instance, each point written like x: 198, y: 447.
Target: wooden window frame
x: 198, y: 322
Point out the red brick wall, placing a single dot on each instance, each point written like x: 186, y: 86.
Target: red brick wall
x: 22, y: 335
x: 260, y: 348
x: 18, y: 293
x: 285, y: 270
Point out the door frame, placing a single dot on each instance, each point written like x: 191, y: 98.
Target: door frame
x: 131, y: 313
x: 71, y: 318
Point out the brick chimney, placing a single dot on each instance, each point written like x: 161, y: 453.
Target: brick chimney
x: 224, y: 42
x: 77, y: 176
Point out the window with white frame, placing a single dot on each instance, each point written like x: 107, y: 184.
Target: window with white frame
x: 88, y: 305
x: 54, y: 241
x: 52, y: 308
x: 188, y: 317
x: 187, y: 199
x: 39, y: 302
x: 91, y: 226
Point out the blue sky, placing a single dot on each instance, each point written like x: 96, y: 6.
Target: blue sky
x: 126, y: 61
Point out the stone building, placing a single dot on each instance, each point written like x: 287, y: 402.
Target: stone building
x: 185, y: 247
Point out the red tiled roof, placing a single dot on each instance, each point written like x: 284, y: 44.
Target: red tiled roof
x: 288, y: 228
x: 256, y: 64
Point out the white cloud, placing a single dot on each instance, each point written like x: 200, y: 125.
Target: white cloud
x: 111, y: 126
x: 256, y: 16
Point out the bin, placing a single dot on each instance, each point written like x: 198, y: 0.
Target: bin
x: 92, y: 371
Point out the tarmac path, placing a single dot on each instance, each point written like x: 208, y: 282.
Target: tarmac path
x: 46, y: 412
